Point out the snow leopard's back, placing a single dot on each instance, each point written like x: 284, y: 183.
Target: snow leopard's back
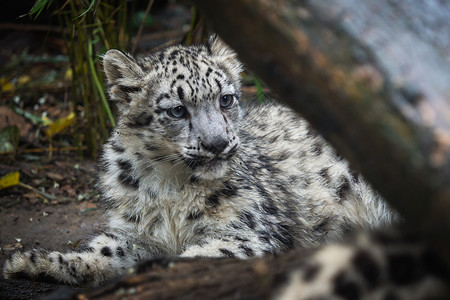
x: 289, y: 165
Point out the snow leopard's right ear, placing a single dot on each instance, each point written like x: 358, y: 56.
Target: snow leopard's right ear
x: 122, y: 73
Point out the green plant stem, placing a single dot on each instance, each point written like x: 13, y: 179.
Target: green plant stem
x: 99, y: 87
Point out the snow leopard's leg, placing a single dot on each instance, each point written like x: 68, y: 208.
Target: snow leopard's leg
x: 244, y: 238
x: 105, y: 257
x: 232, y: 247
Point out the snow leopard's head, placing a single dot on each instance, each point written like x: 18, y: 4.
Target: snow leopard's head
x: 179, y: 105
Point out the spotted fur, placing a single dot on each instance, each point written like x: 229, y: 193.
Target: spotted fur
x: 190, y: 171
x: 370, y: 267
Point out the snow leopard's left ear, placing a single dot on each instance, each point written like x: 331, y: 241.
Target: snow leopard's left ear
x: 219, y: 48
x: 223, y: 52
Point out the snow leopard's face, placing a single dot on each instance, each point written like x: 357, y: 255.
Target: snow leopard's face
x: 179, y: 105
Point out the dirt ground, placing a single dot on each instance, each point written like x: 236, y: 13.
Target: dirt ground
x: 29, y: 219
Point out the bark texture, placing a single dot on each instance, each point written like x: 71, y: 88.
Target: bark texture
x: 177, y: 278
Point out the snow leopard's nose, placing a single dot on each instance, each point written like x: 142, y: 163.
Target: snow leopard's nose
x: 211, y: 128
x: 216, y: 145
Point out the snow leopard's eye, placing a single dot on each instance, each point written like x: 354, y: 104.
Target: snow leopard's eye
x: 177, y: 112
x: 226, y: 101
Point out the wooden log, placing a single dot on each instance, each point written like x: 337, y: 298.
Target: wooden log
x: 176, y: 278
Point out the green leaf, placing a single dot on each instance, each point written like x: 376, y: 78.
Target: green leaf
x: 259, y: 89
x: 87, y: 10
x: 38, y: 7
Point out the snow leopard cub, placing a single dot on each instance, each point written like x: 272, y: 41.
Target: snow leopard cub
x: 188, y: 171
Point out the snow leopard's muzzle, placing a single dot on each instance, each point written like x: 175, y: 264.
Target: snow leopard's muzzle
x: 214, y: 145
